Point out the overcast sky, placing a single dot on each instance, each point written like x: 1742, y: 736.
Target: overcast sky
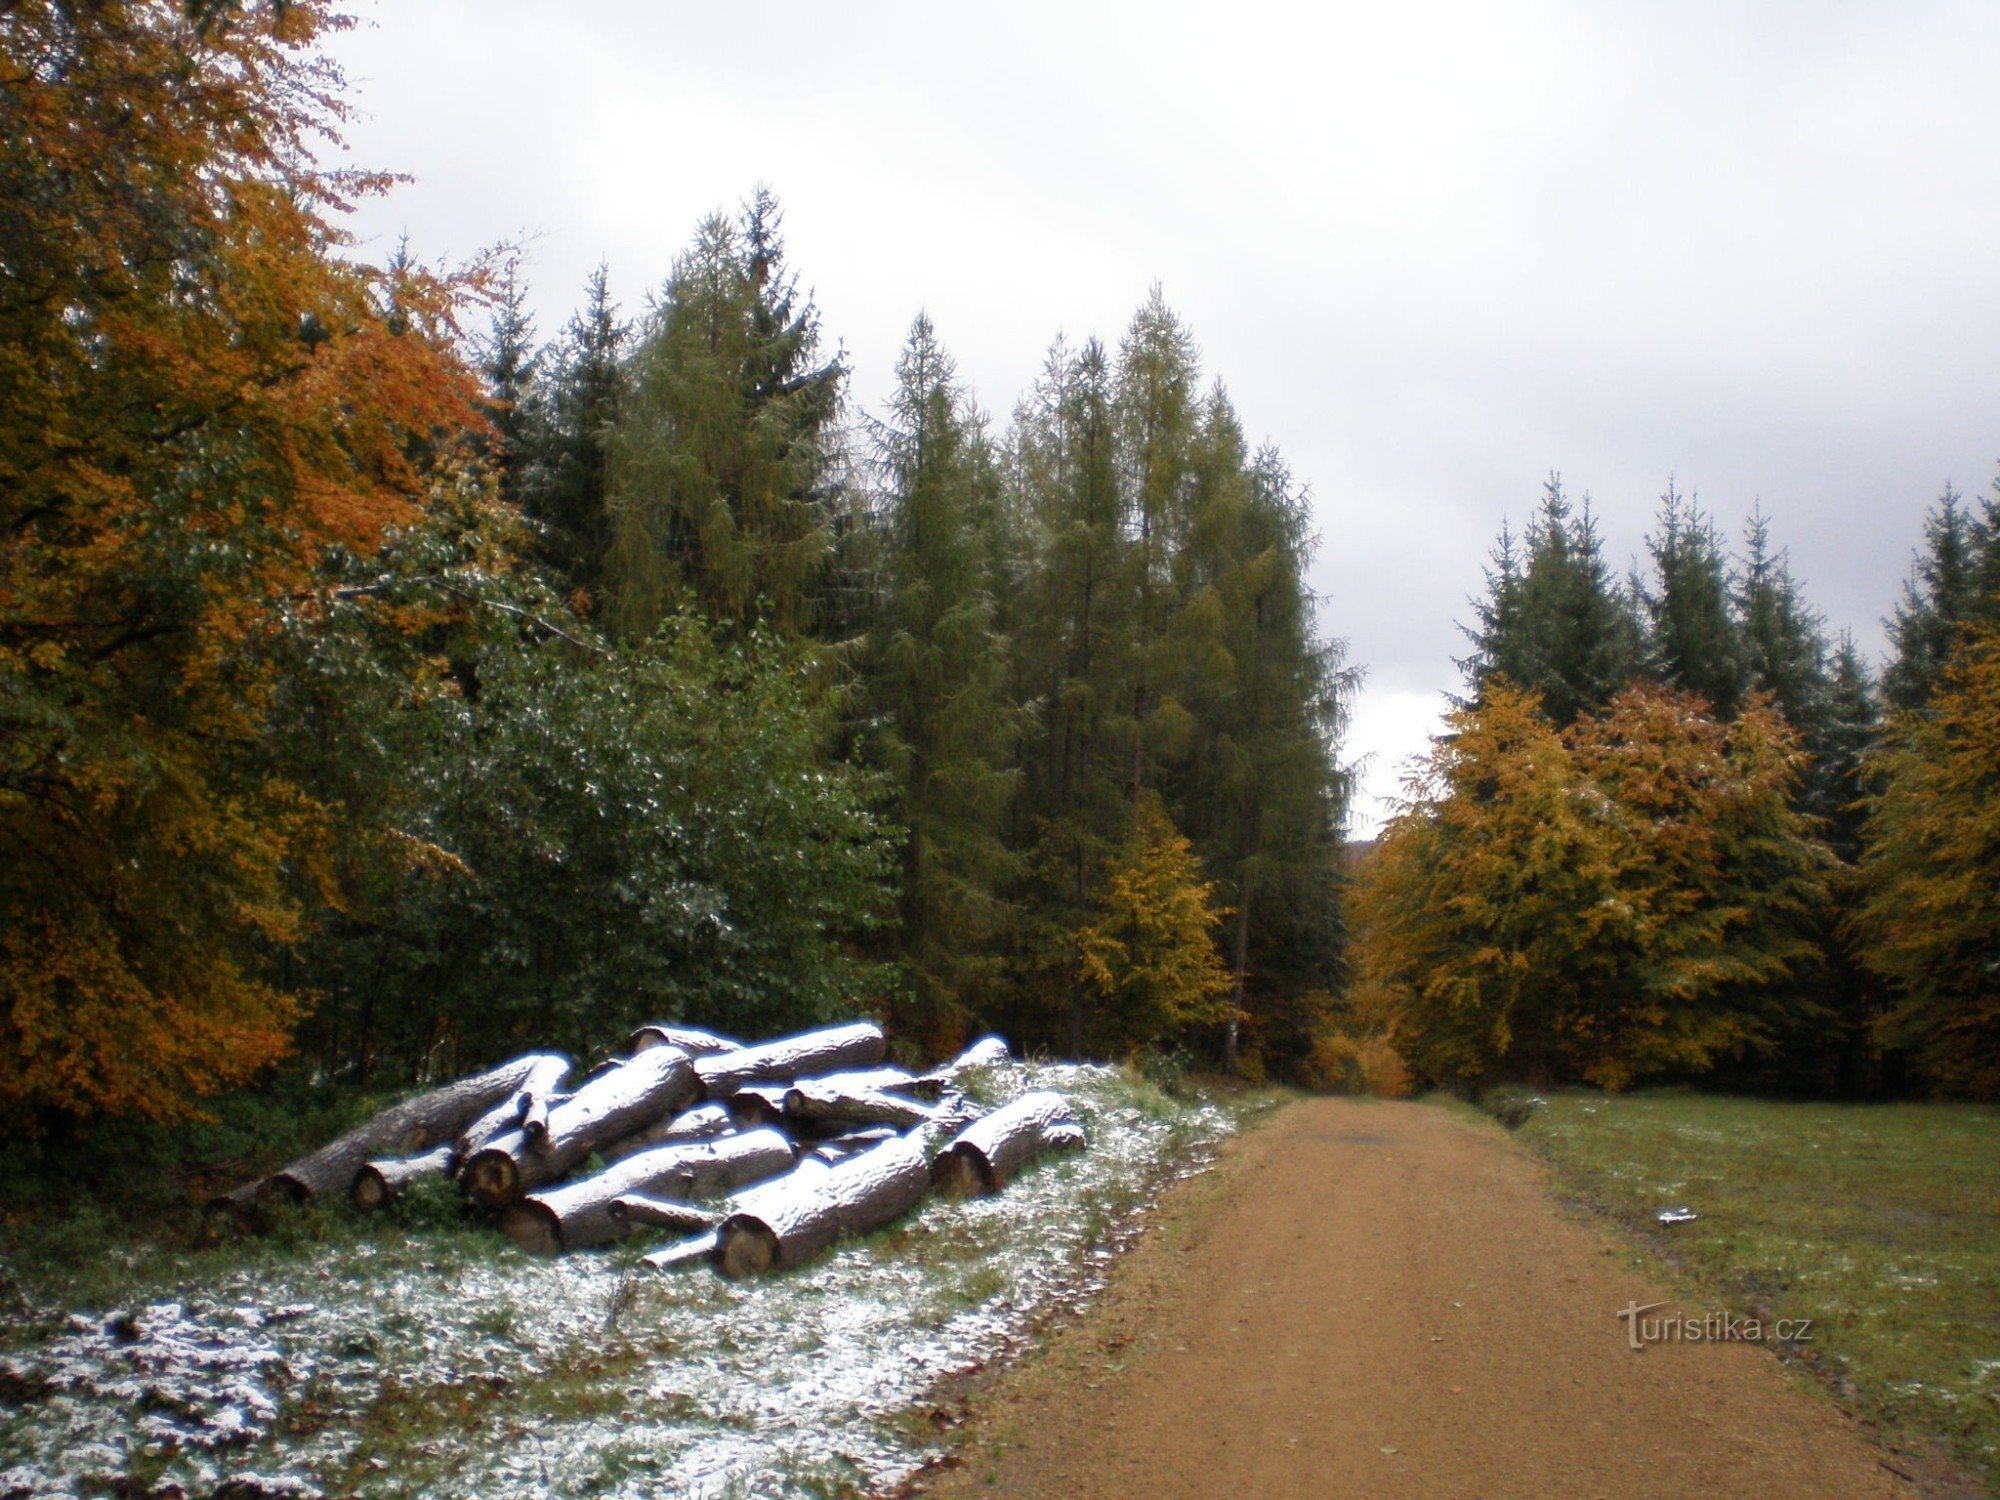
x: 1435, y: 251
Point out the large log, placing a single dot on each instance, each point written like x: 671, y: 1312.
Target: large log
x: 987, y: 1052
x: 702, y: 1247
x: 837, y: 1148
x: 652, y: 1085
x: 985, y: 1155
x: 860, y: 1045
x: 703, y: 1122
x: 756, y: 1105
x: 415, y: 1125
x: 690, y: 1039
x: 579, y: 1213
x: 380, y: 1183
x: 857, y: 1196
x: 530, y: 1101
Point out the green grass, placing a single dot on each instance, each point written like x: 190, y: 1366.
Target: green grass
x: 1880, y: 1222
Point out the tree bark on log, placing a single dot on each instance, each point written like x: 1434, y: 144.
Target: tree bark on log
x: 756, y: 1105
x: 697, y: 1250
x: 987, y: 1154
x: 579, y: 1213
x: 838, y: 1101
x: 690, y: 1039
x: 838, y: 1148
x: 703, y: 1122
x: 380, y: 1183
x: 636, y: 1209
x: 403, y: 1129
x: 784, y: 1228
x: 542, y: 1083
x: 832, y: 1050
x: 650, y: 1086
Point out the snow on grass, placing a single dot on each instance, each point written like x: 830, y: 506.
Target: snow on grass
x: 419, y: 1356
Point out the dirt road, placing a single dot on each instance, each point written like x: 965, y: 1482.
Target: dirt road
x: 1372, y: 1299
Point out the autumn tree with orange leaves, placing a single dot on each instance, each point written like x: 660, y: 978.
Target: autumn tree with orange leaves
x: 199, y: 404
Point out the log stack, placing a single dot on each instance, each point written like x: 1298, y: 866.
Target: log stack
x: 759, y: 1156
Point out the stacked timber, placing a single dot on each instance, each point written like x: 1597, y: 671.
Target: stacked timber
x: 758, y: 1156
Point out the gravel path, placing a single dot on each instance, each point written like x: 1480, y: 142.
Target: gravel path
x: 1373, y: 1299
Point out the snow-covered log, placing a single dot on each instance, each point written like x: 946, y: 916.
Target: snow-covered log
x: 859, y: 1195
x: 842, y: 1100
x: 651, y: 1086
x: 690, y: 1039
x: 416, y: 1125
x: 529, y: 1101
x: 579, y: 1213
x: 380, y: 1183
x: 860, y: 1045
x: 988, y: 1152
x: 703, y: 1122
x: 987, y: 1052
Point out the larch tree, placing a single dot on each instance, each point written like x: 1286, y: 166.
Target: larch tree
x: 725, y: 488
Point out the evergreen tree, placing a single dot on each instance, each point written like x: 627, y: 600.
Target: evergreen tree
x: 512, y: 367
x: 564, y: 486
x: 1157, y: 421
x: 726, y: 489
x: 932, y: 686
x: 1941, y: 596
x: 1556, y: 625
x: 1692, y: 640
x: 1783, y: 649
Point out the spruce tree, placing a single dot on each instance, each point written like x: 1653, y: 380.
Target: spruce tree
x: 1940, y: 597
x: 512, y: 367
x: 1559, y: 627
x: 564, y: 485
x: 1691, y: 640
x: 1784, y: 650
x: 932, y: 686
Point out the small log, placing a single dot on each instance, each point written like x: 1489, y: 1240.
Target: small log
x: 380, y: 1183
x: 684, y: 1253
x: 690, y: 1039
x: 861, y: 1194
x: 635, y: 1209
x: 626, y: 1099
x: 832, y: 1050
x: 836, y: 1101
x: 703, y: 1122
x: 415, y: 1125
x: 579, y: 1213
x: 987, y: 1052
x: 985, y: 1155
x: 838, y: 1148
x: 543, y: 1080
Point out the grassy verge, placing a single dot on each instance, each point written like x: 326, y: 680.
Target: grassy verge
x: 1880, y: 1222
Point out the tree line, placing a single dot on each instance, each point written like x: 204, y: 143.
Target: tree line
x: 392, y: 692
x: 1675, y: 830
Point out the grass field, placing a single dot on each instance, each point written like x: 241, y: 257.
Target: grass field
x: 1881, y: 1222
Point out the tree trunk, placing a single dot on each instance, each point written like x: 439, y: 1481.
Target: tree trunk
x: 380, y: 1183
x: 690, y: 1039
x: 414, y: 1125
x: 579, y: 1213
x: 989, y: 1152
x: 849, y: 1099
x: 512, y: 1112
x: 860, y: 1045
x: 987, y: 1052
x: 650, y: 1086
x: 756, y: 1105
x: 1242, y: 944
x: 684, y: 1253
x: 703, y: 1122
x: 784, y: 1227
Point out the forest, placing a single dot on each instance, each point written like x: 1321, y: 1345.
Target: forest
x: 388, y: 686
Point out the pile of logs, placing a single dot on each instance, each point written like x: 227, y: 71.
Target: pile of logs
x: 758, y: 1156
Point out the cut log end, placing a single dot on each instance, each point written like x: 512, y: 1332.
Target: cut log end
x: 745, y: 1247
x: 492, y: 1179
x: 532, y: 1227
x: 371, y: 1189
x: 962, y: 1173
